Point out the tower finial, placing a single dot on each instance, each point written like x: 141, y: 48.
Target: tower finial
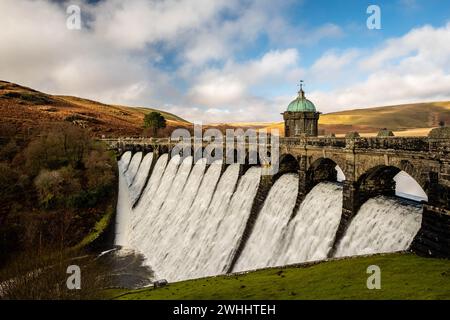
x: 301, y: 93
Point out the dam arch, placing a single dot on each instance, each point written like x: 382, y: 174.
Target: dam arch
x: 321, y: 170
x: 380, y: 180
x: 288, y: 163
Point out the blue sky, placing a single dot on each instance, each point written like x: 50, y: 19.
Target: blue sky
x: 230, y: 60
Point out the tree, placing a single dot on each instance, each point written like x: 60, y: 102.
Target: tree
x: 154, y: 121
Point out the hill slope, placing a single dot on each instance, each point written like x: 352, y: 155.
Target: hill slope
x: 407, y: 118
x: 26, y: 109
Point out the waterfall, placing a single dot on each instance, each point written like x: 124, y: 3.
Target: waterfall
x: 140, y: 178
x: 123, y: 213
x: 230, y: 224
x: 123, y: 209
x: 382, y: 224
x: 195, y: 226
x: 311, y: 233
x: 124, y: 161
x: 151, y: 187
x: 189, y: 219
x: 150, y: 240
x: 178, y: 222
x: 210, y: 213
x: 150, y: 220
x: 133, y: 167
x: 276, y: 241
x: 261, y: 247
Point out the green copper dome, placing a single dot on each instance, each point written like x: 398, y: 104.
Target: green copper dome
x: 301, y: 104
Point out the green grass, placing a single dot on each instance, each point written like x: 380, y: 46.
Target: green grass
x: 403, y: 276
x: 99, y: 228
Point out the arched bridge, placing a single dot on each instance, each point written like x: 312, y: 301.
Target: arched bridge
x: 369, y: 166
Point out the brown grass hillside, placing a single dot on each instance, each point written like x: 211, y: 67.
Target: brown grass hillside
x: 27, y: 110
x: 415, y: 119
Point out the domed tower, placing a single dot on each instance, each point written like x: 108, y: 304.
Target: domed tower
x: 301, y: 117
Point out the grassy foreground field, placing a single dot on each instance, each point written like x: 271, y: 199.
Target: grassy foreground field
x: 403, y: 276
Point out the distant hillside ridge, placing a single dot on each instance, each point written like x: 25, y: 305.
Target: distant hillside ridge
x: 26, y: 109
x: 395, y: 117
x: 414, y: 119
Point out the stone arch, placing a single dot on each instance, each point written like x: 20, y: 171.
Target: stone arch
x: 379, y: 180
x: 287, y: 164
x: 322, y: 169
x: 339, y: 159
x: 384, y: 172
x: 416, y: 172
x: 163, y: 149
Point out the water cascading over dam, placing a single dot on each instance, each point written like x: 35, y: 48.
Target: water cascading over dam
x: 133, y: 168
x: 278, y: 241
x: 382, y: 225
x: 140, y: 178
x: 273, y: 219
x: 188, y: 219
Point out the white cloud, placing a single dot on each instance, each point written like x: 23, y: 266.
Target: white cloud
x: 332, y: 65
x: 230, y: 87
x: 190, y: 57
x: 138, y: 23
x: 411, y: 68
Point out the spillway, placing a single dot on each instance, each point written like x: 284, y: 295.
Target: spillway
x: 382, y: 225
x: 229, y: 223
x: 196, y: 225
x: 123, y: 211
x: 260, y: 249
x: 150, y: 220
x: 311, y: 233
x: 124, y: 161
x: 276, y: 241
x: 133, y: 168
x: 178, y: 222
x: 140, y: 178
x: 188, y: 219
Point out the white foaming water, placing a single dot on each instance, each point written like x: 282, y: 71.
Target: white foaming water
x: 188, y: 223
x: 133, y: 167
x: 261, y: 247
x: 124, y: 161
x: 381, y: 225
x: 200, y: 221
x: 152, y: 185
x: 143, y: 203
x: 148, y: 212
x: 310, y: 234
x: 175, y: 193
x: 170, y: 247
x: 230, y: 225
x: 123, y: 213
x: 140, y: 178
x: 162, y: 226
x: 151, y: 239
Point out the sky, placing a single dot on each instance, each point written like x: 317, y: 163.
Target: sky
x: 216, y: 61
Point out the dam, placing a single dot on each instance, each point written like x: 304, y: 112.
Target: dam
x: 194, y: 219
